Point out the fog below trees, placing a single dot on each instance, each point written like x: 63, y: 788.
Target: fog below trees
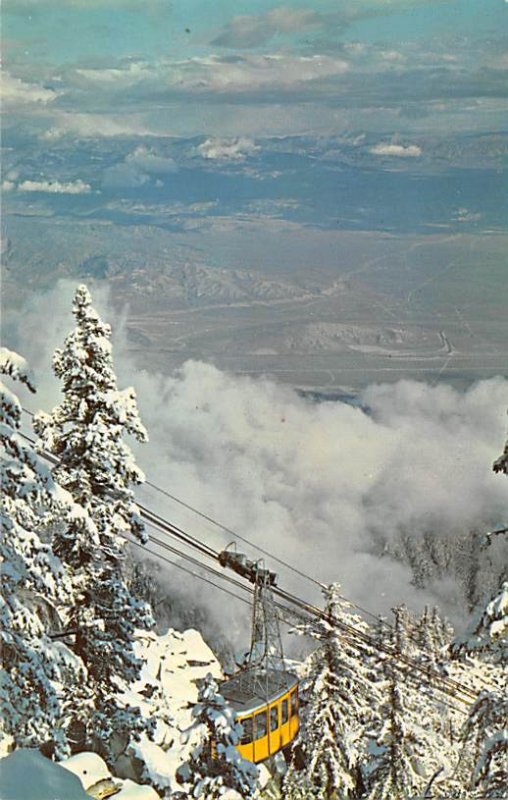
x: 391, y: 497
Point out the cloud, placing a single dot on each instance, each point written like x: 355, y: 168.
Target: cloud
x: 91, y: 125
x: 122, y: 76
x: 466, y: 215
x: 227, y: 149
x: 123, y: 176
x: 246, y: 74
x: 331, y: 488
x: 252, y: 30
x: 55, y: 187
x: 397, y: 150
x: 252, y: 72
x: 147, y: 160
x: 138, y: 168
x: 18, y: 93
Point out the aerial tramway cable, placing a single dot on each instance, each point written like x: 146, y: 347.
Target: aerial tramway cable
x: 447, y: 685
x: 244, y: 539
x: 189, y: 571
x: 351, y: 640
x: 235, y: 534
x: 359, y: 639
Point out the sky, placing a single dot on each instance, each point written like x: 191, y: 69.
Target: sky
x: 384, y: 115
x: 189, y: 67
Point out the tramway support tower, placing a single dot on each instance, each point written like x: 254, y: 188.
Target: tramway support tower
x: 263, y: 693
x: 266, y: 654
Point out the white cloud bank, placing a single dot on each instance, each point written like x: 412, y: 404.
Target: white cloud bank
x: 18, y: 93
x: 327, y: 487
x: 397, y: 150
x: 252, y: 30
x: 138, y: 168
x: 148, y: 160
x: 247, y: 74
x: 227, y: 149
x: 55, y: 187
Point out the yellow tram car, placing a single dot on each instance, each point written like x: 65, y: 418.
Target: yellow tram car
x: 269, y: 722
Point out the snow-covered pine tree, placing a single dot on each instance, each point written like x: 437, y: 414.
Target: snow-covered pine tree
x: 434, y: 635
x: 487, y: 733
x: 486, y: 730
x: 341, y: 700
x: 85, y: 432
x: 39, y: 674
x: 401, y: 756
x: 215, y: 768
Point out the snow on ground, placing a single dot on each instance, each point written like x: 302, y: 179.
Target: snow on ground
x: 6, y: 744
x: 89, y: 768
x: 133, y: 791
x: 28, y: 774
x: 167, y: 689
x: 94, y: 775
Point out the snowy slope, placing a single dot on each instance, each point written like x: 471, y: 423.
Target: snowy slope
x: 95, y: 778
x: 166, y: 691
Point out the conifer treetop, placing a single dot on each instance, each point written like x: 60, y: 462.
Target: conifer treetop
x: 85, y: 431
x: 85, y: 366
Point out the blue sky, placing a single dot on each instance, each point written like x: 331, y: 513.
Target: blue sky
x: 66, y: 31
x: 290, y: 107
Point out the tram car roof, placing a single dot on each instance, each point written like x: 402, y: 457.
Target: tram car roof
x: 249, y: 691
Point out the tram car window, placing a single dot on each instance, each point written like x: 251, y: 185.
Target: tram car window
x: 246, y: 737
x: 274, y: 718
x: 260, y: 725
x: 294, y: 703
x: 284, y: 712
